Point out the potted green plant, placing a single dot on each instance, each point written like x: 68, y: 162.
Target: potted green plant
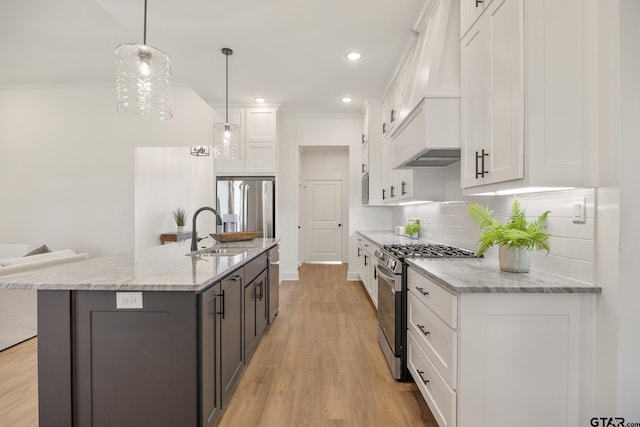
x: 517, y: 238
x: 180, y: 216
x: 412, y: 230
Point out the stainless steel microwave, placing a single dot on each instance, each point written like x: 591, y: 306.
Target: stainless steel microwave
x: 365, y: 188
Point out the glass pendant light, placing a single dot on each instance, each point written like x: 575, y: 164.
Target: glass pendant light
x: 143, y: 80
x: 226, y: 136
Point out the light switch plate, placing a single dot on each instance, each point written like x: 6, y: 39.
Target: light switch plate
x: 580, y: 210
x: 128, y: 300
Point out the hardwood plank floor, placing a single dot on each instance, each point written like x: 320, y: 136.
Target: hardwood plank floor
x: 318, y: 365
x: 19, y: 385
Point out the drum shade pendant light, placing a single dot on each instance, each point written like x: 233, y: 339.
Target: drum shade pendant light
x: 143, y: 80
x: 200, y: 151
x: 226, y: 136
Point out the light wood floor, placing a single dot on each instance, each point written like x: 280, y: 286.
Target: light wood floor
x: 318, y: 365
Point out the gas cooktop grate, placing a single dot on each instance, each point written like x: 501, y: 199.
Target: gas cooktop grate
x: 426, y: 250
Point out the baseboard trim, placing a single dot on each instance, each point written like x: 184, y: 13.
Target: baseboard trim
x: 289, y: 275
x: 352, y: 276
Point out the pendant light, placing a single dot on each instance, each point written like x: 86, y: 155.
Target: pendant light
x: 226, y: 136
x: 143, y: 79
x: 201, y: 150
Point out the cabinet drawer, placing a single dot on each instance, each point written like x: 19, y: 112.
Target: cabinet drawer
x: 436, y: 339
x: 254, y: 268
x: 440, y: 301
x: 440, y: 398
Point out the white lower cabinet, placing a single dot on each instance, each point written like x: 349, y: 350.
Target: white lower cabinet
x: 367, y: 268
x: 501, y: 359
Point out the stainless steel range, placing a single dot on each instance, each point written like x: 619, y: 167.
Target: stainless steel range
x: 392, y: 296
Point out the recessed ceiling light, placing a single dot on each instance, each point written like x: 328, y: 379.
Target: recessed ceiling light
x: 346, y: 99
x: 260, y: 100
x: 354, y: 56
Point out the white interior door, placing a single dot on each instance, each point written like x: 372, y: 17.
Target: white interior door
x: 323, y: 220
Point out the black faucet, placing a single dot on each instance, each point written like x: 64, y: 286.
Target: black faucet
x: 194, y: 233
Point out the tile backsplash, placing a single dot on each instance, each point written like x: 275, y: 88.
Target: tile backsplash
x: 572, y: 245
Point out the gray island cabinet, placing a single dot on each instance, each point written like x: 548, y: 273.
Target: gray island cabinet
x: 132, y: 347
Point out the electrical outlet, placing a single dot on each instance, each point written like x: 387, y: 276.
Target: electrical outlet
x: 580, y: 210
x: 128, y: 300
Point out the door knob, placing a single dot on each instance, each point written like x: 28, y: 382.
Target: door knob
x: 339, y: 225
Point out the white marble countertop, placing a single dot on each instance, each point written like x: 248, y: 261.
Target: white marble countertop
x: 480, y: 275
x: 159, y: 268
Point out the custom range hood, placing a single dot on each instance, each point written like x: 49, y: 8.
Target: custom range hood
x: 429, y: 135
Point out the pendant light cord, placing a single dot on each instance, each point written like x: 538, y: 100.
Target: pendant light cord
x: 144, y: 36
x: 227, y: 90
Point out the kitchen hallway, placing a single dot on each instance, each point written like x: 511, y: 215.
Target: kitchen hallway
x: 319, y: 364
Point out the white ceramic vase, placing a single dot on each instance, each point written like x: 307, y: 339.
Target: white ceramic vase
x: 514, y: 260
x: 180, y: 228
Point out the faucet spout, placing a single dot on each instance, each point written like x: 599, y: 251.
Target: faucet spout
x: 194, y: 233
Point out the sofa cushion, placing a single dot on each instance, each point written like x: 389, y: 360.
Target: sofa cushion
x: 33, y: 258
x: 41, y: 250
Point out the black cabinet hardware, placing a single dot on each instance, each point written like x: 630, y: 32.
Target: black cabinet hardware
x: 384, y: 194
x: 478, y: 2
x: 384, y: 128
x: 422, y: 291
x: 363, y: 168
x: 393, y: 116
x: 340, y: 225
x: 375, y: 273
x: 425, y: 333
x: 365, y: 260
x: 421, y: 377
x: 403, y: 188
x: 222, y: 303
x: 480, y: 172
x: 393, y: 193
x: 261, y: 294
x: 359, y: 254
x: 363, y: 138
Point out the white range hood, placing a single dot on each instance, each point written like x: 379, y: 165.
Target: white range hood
x: 430, y: 134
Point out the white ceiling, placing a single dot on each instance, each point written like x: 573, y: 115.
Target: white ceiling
x: 290, y: 52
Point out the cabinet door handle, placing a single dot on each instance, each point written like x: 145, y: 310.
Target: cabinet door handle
x: 384, y: 128
x: 363, y: 168
x: 359, y: 254
x: 403, y: 188
x: 259, y: 295
x: 425, y: 333
x: 363, y: 138
x: 393, y: 116
x: 365, y: 260
x: 375, y: 273
x: 421, y: 377
x: 384, y: 194
x: 478, y: 2
x: 422, y: 291
x: 222, y: 296
x: 480, y: 172
x: 393, y: 191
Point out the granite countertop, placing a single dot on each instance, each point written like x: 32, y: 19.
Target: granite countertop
x: 480, y: 275
x: 159, y: 268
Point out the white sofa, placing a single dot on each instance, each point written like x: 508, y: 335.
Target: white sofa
x: 18, y: 307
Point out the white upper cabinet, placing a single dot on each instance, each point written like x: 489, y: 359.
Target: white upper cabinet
x: 372, y: 158
x: 261, y: 124
x: 258, y: 141
x: 527, y: 97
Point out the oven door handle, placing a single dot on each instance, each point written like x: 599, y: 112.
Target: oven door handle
x: 385, y: 276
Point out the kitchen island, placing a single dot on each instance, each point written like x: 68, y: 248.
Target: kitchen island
x: 155, y: 337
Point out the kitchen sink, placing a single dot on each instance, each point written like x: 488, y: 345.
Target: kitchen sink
x: 221, y: 250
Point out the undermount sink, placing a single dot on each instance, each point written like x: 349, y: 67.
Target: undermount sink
x: 220, y: 250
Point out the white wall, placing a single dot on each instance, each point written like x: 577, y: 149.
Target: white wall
x: 165, y: 178
x: 319, y: 130
x: 67, y: 163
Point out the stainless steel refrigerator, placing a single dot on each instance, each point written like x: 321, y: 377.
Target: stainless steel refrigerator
x: 247, y: 204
